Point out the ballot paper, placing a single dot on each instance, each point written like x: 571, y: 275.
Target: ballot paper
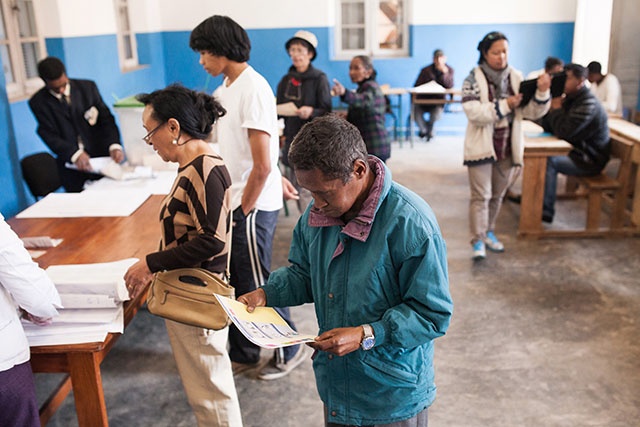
x: 38, y: 242
x: 92, y: 279
x: 264, y: 326
x: 109, y: 168
x: 92, y: 296
x: 288, y: 109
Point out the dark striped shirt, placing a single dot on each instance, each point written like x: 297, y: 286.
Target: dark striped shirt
x: 195, y: 218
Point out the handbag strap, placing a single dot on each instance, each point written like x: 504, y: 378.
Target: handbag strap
x: 227, y: 271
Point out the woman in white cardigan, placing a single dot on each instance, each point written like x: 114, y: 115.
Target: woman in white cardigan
x: 494, y: 141
x: 26, y: 286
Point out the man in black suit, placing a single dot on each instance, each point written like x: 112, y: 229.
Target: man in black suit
x: 74, y: 122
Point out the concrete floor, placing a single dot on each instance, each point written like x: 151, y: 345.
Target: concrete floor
x: 545, y: 334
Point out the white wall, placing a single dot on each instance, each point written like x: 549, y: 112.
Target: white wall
x: 71, y: 18
x: 435, y: 12
x: 76, y: 18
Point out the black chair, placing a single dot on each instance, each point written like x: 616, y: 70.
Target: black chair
x: 40, y: 172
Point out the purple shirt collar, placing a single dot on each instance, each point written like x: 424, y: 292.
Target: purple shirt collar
x: 360, y: 226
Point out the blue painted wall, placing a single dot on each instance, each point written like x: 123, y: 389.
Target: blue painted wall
x: 166, y: 58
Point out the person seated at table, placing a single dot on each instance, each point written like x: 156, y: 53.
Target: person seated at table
x: 494, y: 139
x: 22, y: 284
x: 367, y: 106
x: 440, y: 72
x: 580, y: 119
x: 606, y: 87
x: 75, y: 123
x: 308, y: 88
x: 196, y: 224
x: 552, y: 65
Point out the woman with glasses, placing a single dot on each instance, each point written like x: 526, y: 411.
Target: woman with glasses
x: 195, y: 221
x: 494, y: 140
x: 308, y: 89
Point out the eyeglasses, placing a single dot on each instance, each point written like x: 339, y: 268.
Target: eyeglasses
x: 147, y: 137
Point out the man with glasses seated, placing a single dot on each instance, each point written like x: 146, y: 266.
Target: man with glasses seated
x: 74, y: 122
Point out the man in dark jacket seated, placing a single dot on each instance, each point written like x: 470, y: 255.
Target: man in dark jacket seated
x: 580, y: 119
x: 74, y: 122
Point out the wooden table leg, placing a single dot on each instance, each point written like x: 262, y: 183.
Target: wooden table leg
x: 87, y: 389
x: 533, y: 178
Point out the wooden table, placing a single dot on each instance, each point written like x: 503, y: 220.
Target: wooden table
x: 89, y: 240
x: 620, y: 128
x: 398, y: 92
x: 536, y: 151
x: 450, y: 96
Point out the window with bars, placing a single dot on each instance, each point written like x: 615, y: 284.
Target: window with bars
x: 127, y: 49
x: 371, y: 27
x: 21, y: 47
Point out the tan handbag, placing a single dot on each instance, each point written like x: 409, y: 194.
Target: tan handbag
x: 186, y: 295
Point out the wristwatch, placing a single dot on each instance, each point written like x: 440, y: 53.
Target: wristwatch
x: 369, y: 340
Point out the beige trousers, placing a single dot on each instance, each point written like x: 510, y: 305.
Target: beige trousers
x: 205, y: 369
x: 488, y: 184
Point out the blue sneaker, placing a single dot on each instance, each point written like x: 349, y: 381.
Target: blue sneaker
x: 493, y: 243
x: 479, y: 251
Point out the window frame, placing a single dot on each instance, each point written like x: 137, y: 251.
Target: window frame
x: 22, y: 86
x: 371, y: 28
x: 126, y: 63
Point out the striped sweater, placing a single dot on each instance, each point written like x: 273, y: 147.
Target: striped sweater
x: 195, y: 218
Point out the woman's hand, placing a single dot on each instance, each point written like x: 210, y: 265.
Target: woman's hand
x: 339, y: 341
x: 514, y: 101
x: 304, y: 112
x: 137, y: 277
x: 36, y: 320
x: 337, y: 89
x: 253, y: 299
x: 544, y: 82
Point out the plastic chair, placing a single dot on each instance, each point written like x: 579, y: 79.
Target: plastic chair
x: 40, y: 172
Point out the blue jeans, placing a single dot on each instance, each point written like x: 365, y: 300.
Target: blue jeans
x: 564, y: 165
x: 251, y: 246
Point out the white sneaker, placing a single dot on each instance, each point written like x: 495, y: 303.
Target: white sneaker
x: 479, y: 251
x: 493, y: 243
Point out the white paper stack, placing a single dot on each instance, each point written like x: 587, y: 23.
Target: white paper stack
x: 92, y: 296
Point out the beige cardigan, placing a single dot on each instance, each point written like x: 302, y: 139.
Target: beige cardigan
x: 482, y: 116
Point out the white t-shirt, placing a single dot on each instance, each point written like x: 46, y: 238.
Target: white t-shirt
x: 609, y: 93
x: 250, y: 104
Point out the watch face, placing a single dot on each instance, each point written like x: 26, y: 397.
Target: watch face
x: 368, y: 343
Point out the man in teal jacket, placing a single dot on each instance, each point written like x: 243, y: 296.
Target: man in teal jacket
x: 369, y: 253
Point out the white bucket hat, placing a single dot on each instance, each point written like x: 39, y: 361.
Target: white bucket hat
x: 308, y: 38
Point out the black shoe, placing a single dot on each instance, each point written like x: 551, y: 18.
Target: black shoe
x: 422, y: 135
x: 547, y: 218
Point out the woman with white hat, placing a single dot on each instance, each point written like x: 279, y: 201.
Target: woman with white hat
x: 307, y: 88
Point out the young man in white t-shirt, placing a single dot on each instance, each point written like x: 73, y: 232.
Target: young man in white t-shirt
x: 248, y: 139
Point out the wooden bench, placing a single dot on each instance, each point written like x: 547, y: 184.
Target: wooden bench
x: 613, y: 190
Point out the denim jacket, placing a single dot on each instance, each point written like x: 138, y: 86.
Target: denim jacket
x: 388, y: 268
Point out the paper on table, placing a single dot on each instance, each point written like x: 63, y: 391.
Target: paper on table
x: 87, y: 301
x: 288, y: 109
x: 86, y: 204
x: 160, y: 183
x: 97, y: 163
x: 92, y: 279
x: 40, y: 242
x: 264, y: 327
x: 430, y: 87
x: 72, y: 333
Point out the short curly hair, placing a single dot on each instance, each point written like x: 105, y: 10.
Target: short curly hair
x: 330, y: 144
